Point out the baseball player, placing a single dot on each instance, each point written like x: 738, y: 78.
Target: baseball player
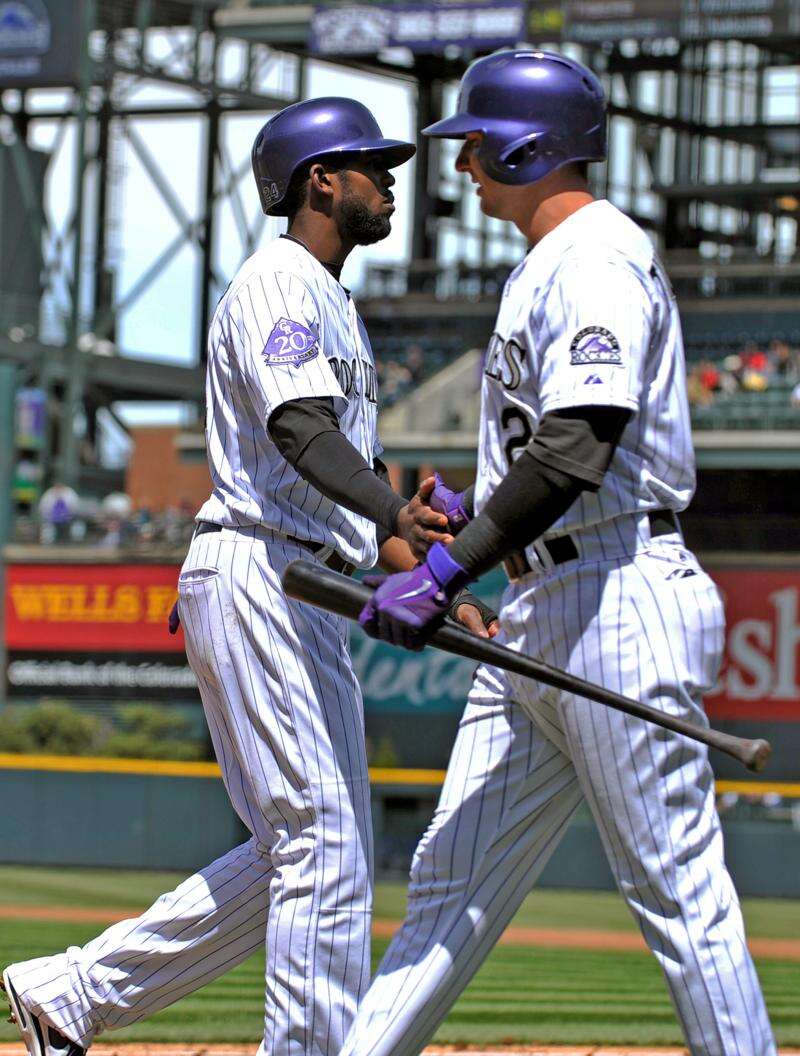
x: 295, y: 464
x: 585, y: 459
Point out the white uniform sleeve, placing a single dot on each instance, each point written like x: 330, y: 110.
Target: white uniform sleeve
x: 275, y: 330
x: 596, y: 320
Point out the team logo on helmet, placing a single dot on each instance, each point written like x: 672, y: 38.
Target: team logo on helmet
x: 290, y: 342
x: 594, y: 344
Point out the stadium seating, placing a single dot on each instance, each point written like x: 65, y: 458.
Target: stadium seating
x: 404, y: 361
x: 770, y: 409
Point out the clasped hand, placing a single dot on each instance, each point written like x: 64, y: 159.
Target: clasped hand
x: 408, y: 607
x: 420, y: 525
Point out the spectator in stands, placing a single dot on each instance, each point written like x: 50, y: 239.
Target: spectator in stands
x: 783, y: 361
x: 58, y: 508
x: 64, y: 517
x: 732, y: 368
x: 143, y: 524
x: 394, y: 380
x: 174, y: 523
x: 112, y: 539
x: 415, y: 361
x: 754, y: 380
x: 755, y: 359
x: 699, y: 395
x: 756, y: 368
x: 709, y: 376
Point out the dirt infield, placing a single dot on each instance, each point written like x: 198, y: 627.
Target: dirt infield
x: 553, y: 938
x: 434, y: 1050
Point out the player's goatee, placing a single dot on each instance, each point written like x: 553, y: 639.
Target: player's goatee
x: 360, y: 225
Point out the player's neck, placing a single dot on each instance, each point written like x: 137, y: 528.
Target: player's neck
x: 322, y: 240
x: 556, y: 199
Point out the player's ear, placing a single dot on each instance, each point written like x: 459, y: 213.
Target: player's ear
x: 320, y: 188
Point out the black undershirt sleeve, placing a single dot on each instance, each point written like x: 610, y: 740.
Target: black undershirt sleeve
x: 307, y: 434
x: 294, y: 425
x: 580, y: 441
x: 468, y: 501
x: 569, y: 453
x: 381, y: 471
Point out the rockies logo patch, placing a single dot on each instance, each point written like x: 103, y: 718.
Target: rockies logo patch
x: 594, y: 344
x: 290, y: 342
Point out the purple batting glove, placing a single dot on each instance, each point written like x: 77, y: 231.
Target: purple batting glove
x: 174, y: 619
x: 409, y: 606
x: 445, y: 500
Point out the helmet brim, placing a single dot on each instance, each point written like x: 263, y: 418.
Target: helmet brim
x: 456, y: 127
x: 394, y: 151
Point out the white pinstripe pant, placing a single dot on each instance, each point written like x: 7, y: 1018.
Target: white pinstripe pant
x: 286, y: 717
x: 650, y: 627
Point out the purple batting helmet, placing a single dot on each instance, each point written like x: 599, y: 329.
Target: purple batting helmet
x: 312, y: 129
x: 537, y: 111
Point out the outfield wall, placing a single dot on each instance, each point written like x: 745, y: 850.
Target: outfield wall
x: 78, y: 811
x: 95, y: 634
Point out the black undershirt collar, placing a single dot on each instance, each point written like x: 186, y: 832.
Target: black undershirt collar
x: 333, y: 269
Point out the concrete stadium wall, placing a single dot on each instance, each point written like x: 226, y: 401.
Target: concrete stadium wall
x: 134, y: 816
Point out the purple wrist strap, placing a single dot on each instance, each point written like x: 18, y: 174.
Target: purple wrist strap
x: 445, y: 500
x: 450, y: 576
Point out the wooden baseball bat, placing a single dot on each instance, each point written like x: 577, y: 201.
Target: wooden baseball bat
x: 317, y: 585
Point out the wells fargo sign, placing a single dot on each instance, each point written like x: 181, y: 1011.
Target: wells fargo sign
x: 105, y: 608
x: 58, y: 610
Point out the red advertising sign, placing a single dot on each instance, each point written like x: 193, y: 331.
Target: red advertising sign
x: 123, y: 609
x: 98, y: 608
x: 759, y: 678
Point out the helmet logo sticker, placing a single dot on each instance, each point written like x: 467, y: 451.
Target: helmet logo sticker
x: 594, y: 344
x: 290, y: 342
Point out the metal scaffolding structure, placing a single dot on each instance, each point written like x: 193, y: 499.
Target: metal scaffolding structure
x: 703, y: 152
x: 698, y: 153
x: 134, y: 55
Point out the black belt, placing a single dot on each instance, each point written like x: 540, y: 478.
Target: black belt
x: 335, y: 561
x: 563, y: 548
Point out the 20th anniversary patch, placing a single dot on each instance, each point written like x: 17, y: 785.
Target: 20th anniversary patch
x: 594, y: 344
x: 290, y: 342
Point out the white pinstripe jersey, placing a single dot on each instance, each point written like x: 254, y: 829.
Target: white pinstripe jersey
x: 589, y: 317
x: 286, y: 329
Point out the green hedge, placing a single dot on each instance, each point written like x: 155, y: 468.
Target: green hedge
x: 134, y: 731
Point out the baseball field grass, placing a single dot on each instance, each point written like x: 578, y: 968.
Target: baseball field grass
x: 532, y: 989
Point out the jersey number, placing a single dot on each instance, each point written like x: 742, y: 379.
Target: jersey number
x: 518, y: 440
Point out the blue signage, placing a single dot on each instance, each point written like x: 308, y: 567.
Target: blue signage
x: 40, y: 43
